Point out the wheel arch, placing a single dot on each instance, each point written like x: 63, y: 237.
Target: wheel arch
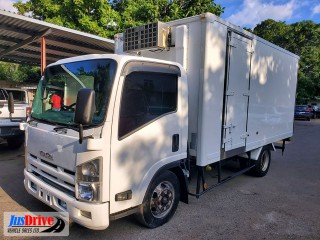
x: 255, y: 153
x: 175, y: 168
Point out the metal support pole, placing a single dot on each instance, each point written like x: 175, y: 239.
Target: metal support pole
x: 198, y: 181
x: 43, y: 54
x: 204, y: 184
x: 219, y: 171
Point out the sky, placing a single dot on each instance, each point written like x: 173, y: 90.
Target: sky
x: 249, y: 13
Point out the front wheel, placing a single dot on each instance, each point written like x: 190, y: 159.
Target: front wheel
x: 161, y: 200
x: 263, y: 163
x: 15, y: 142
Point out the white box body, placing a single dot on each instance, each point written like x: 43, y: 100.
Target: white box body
x: 241, y: 88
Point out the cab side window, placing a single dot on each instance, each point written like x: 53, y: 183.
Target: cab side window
x: 146, y: 96
x: 18, y: 96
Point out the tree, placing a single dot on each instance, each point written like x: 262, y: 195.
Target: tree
x: 105, y: 18
x: 89, y: 16
x: 272, y: 31
x: 303, y: 39
x: 19, y: 73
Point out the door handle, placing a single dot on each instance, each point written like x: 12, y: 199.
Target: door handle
x: 175, y: 142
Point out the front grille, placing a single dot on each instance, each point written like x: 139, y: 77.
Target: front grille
x: 51, y: 183
x: 57, y: 177
x: 69, y: 172
x: 50, y: 164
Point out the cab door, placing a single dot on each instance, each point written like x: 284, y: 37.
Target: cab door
x: 146, y: 129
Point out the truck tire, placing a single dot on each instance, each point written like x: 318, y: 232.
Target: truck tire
x: 160, y: 201
x: 262, y: 164
x: 15, y: 142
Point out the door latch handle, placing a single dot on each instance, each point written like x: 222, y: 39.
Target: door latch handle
x: 175, y: 142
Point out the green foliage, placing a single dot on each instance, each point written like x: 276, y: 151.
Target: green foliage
x: 105, y: 18
x: 89, y: 16
x: 303, y: 39
x: 19, y: 73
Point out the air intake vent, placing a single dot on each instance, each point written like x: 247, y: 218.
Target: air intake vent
x: 149, y: 36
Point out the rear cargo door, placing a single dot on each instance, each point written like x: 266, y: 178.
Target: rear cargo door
x: 237, y: 92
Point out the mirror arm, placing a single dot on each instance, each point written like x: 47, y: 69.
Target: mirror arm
x: 80, y: 133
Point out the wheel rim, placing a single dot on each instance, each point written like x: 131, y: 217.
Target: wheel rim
x: 162, y: 199
x: 265, y: 159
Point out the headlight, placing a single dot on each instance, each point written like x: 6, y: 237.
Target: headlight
x: 90, y: 170
x: 89, y: 191
x: 89, y: 181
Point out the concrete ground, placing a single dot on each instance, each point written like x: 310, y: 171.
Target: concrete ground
x: 285, y: 204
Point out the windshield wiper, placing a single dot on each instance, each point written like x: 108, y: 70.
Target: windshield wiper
x: 65, y: 127
x: 50, y: 122
x: 59, y: 128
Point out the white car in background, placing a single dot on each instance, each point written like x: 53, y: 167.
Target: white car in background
x: 9, y: 130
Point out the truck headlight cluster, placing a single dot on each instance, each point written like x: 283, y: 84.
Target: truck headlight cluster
x: 88, y: 185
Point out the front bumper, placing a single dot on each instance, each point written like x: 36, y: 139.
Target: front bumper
x: 52, y: 197
x: 303, y: 116
x: 6, y: 132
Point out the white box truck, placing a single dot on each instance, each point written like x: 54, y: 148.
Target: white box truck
x: 192, y: 92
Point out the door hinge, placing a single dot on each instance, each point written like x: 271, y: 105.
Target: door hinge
x: 230, y: 126
x: 229, y: 93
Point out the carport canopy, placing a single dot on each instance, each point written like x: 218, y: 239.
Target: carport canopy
x: 30, y: 41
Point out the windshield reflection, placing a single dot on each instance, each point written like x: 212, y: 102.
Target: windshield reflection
x: 55, y: 99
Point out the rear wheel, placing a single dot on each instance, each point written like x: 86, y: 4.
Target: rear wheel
x: 161, y: 200
x: 263, y: 163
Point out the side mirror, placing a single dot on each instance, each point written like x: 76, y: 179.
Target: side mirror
x: 85, y: 107
x: 11, y: 106
x: 11, y: 103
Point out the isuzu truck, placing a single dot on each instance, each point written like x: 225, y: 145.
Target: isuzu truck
x: 185, y: 95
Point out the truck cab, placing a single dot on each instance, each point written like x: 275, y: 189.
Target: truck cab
x: 137, y: 138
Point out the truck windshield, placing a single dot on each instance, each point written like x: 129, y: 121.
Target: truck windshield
x: 56, y: 96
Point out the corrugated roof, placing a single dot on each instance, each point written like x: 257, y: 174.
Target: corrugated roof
x: 20, y: 38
